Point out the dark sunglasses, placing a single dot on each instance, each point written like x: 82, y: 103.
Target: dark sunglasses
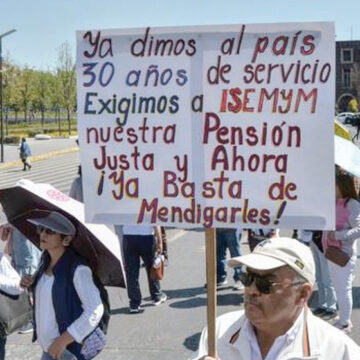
x: 262, y: 283
x: 40, y: 229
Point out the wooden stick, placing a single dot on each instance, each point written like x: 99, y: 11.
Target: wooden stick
x: 211, y: 289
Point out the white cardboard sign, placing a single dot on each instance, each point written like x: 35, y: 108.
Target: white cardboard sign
x: 219, y: 126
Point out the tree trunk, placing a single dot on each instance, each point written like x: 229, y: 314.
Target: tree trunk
x: 59, y: 120
x: 6, y: 122
x: 68, y: 119
x: 42, y: 116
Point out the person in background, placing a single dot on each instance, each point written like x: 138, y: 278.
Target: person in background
x: 357, y: 186
x: 24, y: 255
x: 326, y: 299
x: 118, y: 229
x: 255, y: 236
x: 164, y: 245
x: 226, y: 239
x: 304, y: 236
x: 344, y: 238
x: 24, y: 258
x: 25, y: 154
x: 141, y: 241
x: 276, y: 322
x: 76, y: 189
x: 9, y: 285
x: 119, y: 232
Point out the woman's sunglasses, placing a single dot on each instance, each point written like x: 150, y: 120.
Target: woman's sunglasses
x: 263, y: 283
x: 40, y: 229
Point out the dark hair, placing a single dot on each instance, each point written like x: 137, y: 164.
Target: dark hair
x: 346, y: 185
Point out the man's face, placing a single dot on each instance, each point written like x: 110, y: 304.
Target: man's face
x: 280, y: 306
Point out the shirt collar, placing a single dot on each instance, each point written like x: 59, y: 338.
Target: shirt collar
x: 246, y: 331
x: 289, y: 335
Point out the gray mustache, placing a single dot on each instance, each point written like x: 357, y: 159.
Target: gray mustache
x: 251, y: 300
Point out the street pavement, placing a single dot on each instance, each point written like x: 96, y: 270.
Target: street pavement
x: 169, y: 331
x: 38, y: 147
x: 59, y: 171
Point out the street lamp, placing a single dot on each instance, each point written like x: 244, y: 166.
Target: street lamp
x: 1, y: 97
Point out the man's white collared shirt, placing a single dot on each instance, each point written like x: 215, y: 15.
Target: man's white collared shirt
x: 283, y: 344
x: 325, y: 341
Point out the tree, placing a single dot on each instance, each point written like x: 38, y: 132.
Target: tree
x: 10, y: 94
x: 41, y: 98
x: 65, y: 74
x: 55, y: 99
x: 26, y: 85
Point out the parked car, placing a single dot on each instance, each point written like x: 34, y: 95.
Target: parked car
x: 347, y: 118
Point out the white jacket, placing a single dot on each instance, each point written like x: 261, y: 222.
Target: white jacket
x: 9, y: 278
x: 326, y: 341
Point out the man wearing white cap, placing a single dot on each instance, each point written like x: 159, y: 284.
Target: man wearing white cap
x: 276, y: 323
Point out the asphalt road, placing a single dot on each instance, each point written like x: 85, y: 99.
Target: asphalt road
x: 170, y: 331
x: 38, y: 147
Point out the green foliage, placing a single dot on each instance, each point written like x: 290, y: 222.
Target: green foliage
x: 12, y: 139
x: 30, y: 90
x: 38, y: 102
x: 30, y: 133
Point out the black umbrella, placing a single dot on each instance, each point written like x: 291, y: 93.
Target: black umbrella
x: 96, y: 243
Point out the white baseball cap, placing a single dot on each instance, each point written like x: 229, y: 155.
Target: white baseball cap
x: 276, y: 252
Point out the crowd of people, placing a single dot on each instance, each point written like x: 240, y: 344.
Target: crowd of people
x: 277, y: 276
x: 139, y: 243
x: 66, y: 301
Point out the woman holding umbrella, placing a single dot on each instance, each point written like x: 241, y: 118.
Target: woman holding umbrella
x: 67, y: 301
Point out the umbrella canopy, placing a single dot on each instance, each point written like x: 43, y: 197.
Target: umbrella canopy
x: 96, y: 243
x: 347, y: 155
x: 342, y: 131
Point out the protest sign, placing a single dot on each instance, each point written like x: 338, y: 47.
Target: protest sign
x: 219, y: 126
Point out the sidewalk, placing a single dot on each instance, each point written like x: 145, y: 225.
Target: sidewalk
x: 40, y: 149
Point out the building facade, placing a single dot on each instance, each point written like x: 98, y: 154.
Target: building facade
x: 347, y: 73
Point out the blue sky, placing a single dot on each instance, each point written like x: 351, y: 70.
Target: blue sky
x: 43, y: 25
